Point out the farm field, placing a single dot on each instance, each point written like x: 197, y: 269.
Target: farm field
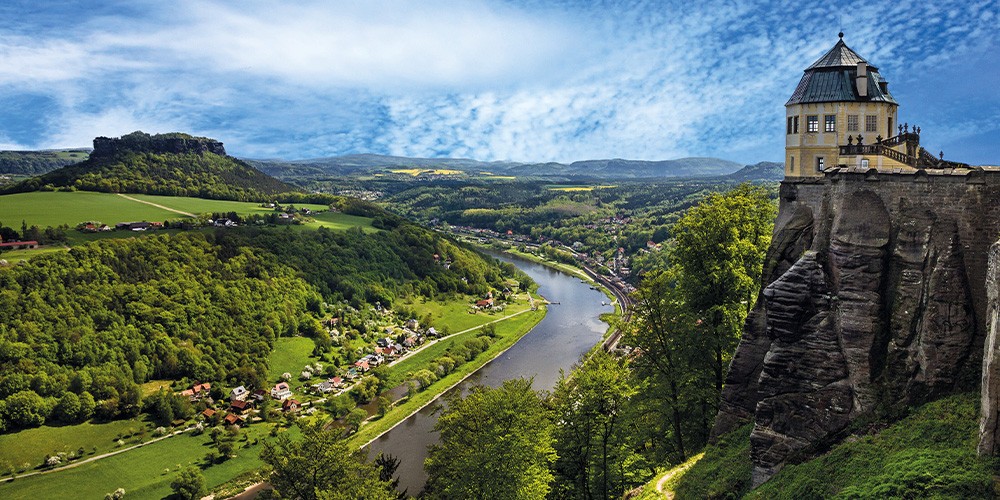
x: 48, y: 208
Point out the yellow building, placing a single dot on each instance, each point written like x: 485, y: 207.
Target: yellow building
x: 842, y: 115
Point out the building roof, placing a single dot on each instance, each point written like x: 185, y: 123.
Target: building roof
x: 832, y: 78
x: 839, y: 56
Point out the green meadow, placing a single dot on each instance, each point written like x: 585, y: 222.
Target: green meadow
x: 145, y: 472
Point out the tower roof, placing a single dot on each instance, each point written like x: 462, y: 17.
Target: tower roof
x: 839, y: 56
x: 833, y: 77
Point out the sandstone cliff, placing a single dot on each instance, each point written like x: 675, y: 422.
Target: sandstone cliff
x: 873, y: 298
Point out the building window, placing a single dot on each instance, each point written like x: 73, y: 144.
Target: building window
x: 788, y: 126
x: 795, y: 125
x: 871, y: 123
x: 852, y: 123
x: 890, y: 134
x: 791, y: 166
x: 864, y: 163
x: 831, y: 123
x: 812, y: 123
x: 819, y: 164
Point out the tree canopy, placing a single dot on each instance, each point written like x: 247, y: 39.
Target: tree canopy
x: 495, y: 443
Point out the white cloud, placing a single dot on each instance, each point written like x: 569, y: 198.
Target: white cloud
x: 482, y: 79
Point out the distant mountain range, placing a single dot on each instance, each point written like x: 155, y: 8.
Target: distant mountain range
x: 596, y: 169
x: 369, y: 164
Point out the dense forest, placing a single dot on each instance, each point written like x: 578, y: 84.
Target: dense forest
x: 90, y: 324
x: 376, y: 267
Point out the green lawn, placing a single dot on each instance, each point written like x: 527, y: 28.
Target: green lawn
x: 455, y: 314
x: 31, y: 445
x: 15, y: 256
x: 339, y: 222
x: 144, y: 472
x: 45, y: 209
x: 290, y: 354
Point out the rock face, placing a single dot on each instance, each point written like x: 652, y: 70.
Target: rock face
x: 160, y: 143
x: 873, y: 298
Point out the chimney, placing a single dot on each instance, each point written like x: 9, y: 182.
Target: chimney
x: 862, y: 79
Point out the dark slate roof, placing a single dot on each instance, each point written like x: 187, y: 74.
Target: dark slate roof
x: 840, y: 55
x: 832, y: 79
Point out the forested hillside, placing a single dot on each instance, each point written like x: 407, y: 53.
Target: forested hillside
x: 166, y: 164
x: 80, y: 330
x: 376, y: 267
x: 86, y: 326
x: 38, y: 162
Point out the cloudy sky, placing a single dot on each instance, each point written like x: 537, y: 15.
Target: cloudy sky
x: 526, y: 80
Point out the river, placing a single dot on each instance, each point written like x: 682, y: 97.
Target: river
x: 569, y: 329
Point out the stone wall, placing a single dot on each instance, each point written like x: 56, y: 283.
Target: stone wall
x: 873, y: 298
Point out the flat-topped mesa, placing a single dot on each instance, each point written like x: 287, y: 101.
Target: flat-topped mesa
x: 175, y: 143
x: 842, y: 116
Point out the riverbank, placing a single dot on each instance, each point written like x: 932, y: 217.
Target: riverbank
x: 376, y: 428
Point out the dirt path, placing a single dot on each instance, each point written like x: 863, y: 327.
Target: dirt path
x: 669, y: 495
x: 157, y: 205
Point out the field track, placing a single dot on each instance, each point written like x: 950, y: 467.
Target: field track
x: 157, y: 205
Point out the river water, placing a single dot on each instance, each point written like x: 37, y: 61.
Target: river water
x: 569, y: 329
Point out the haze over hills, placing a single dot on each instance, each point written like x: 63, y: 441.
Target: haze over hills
x: 599, y: 169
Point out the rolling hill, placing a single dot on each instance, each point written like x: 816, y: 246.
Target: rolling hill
x: 166, y: 164
x: 593, y: 169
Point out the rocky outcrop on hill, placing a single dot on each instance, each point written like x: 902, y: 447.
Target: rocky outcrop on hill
x: 873, y: 298
x: 175, y: 143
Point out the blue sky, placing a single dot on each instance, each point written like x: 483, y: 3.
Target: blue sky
x: 520, y: 80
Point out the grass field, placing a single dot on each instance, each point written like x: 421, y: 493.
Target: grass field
x: 418, y: 171
x: 290, y: 354
x: 45, y: 209
x: 577, y: 188
x: 200, y: 206
x: 145, y: 472
x: 31, y: 445
x: 340, y: 222
x: 455, y: 315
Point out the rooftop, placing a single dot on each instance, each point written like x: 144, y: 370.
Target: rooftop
x: 832, y: 78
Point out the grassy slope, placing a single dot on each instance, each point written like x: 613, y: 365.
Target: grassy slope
x: 290, y: 355
x: 45, y: 209
x: 54, y: 208
x: 143, y: 471
x: 30, y: 446
x: 930, y: 454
